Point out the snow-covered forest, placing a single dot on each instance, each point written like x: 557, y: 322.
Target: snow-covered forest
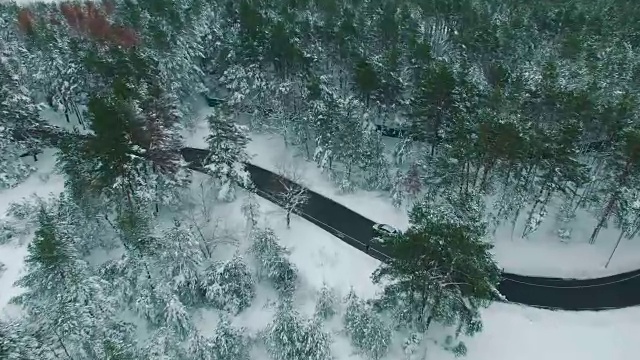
x: 507, y: 114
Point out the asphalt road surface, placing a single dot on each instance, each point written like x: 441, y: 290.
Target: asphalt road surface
x: 612, y: 292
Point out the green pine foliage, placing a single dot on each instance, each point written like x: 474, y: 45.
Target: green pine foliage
x: 441, y: 269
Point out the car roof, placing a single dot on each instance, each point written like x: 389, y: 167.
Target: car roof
x: 387, y: 227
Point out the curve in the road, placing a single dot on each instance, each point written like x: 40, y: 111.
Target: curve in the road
x: 611, y: 292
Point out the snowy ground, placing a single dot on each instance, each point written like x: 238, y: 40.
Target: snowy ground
x: 542, y: 254
x: 511, y: 332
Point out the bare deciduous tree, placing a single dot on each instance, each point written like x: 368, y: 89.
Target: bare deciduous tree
x: 292, y: 194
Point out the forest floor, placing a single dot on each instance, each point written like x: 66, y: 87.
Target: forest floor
x: 542, y: 253
x: 510, y: 332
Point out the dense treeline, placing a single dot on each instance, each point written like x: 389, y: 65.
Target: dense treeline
x: 529, y: 103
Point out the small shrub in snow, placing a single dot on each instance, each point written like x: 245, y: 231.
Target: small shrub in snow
x: 8, y: 232
x: 251, y: 210
x: 273, y: 263
x: 368, y: 332
x: 24, y: 210
x: 290, y: 337
x: 229, y: 285
x: 327, y: 301
x: 458, y: 348
x: 13, y: 170
x: 345, y: 186
x: 2, y: 269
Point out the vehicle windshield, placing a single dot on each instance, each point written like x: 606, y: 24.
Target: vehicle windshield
x: 388, y: 228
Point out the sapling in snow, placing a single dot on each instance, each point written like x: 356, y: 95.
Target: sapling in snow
x: 251, y: 210
x: 273, y: 263
x: 327, y: 302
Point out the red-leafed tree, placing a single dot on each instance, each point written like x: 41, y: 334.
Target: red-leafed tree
x: 89, y: 20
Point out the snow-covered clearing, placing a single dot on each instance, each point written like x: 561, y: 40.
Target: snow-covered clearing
x: 541, y: 254
x: 511, y: 332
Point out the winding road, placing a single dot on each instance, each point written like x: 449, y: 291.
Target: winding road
x: 612, y: 292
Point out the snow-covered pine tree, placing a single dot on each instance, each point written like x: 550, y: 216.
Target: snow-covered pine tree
x: 157, y: 132
x: 200, y: 347
x: 71, y: 307
x: 179, y: 262
x: 369, y: 334
x: 229, y: 343
x: 273, y: 263
x: 18, y: 117
x: 373, y: 163
x: 227, y: 154
x: 154, y: 273
x: 327, y: 302
x: 229, y: 285
x: 291, y: 337
x: 398, y: 189
x: 445, y: 253
x: 91, y: 233
x: 18, y: 341
x: 175, y: 315
x: 164, y: 344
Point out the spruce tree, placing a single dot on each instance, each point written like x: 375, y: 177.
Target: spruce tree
x: 227, y: 142
x: 440, y: 269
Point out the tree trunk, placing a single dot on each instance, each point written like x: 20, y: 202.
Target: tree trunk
x: 622, y: 180
x: 288, y: 219
x: 485, y: 175
x: 589, y: 187
x: 538, y: 201
x: 436, y: 303
x: 615, y: 247
x: 64, y: 348
x: 514, y: 222
x: 605, y: 216
x: 476, y: 174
